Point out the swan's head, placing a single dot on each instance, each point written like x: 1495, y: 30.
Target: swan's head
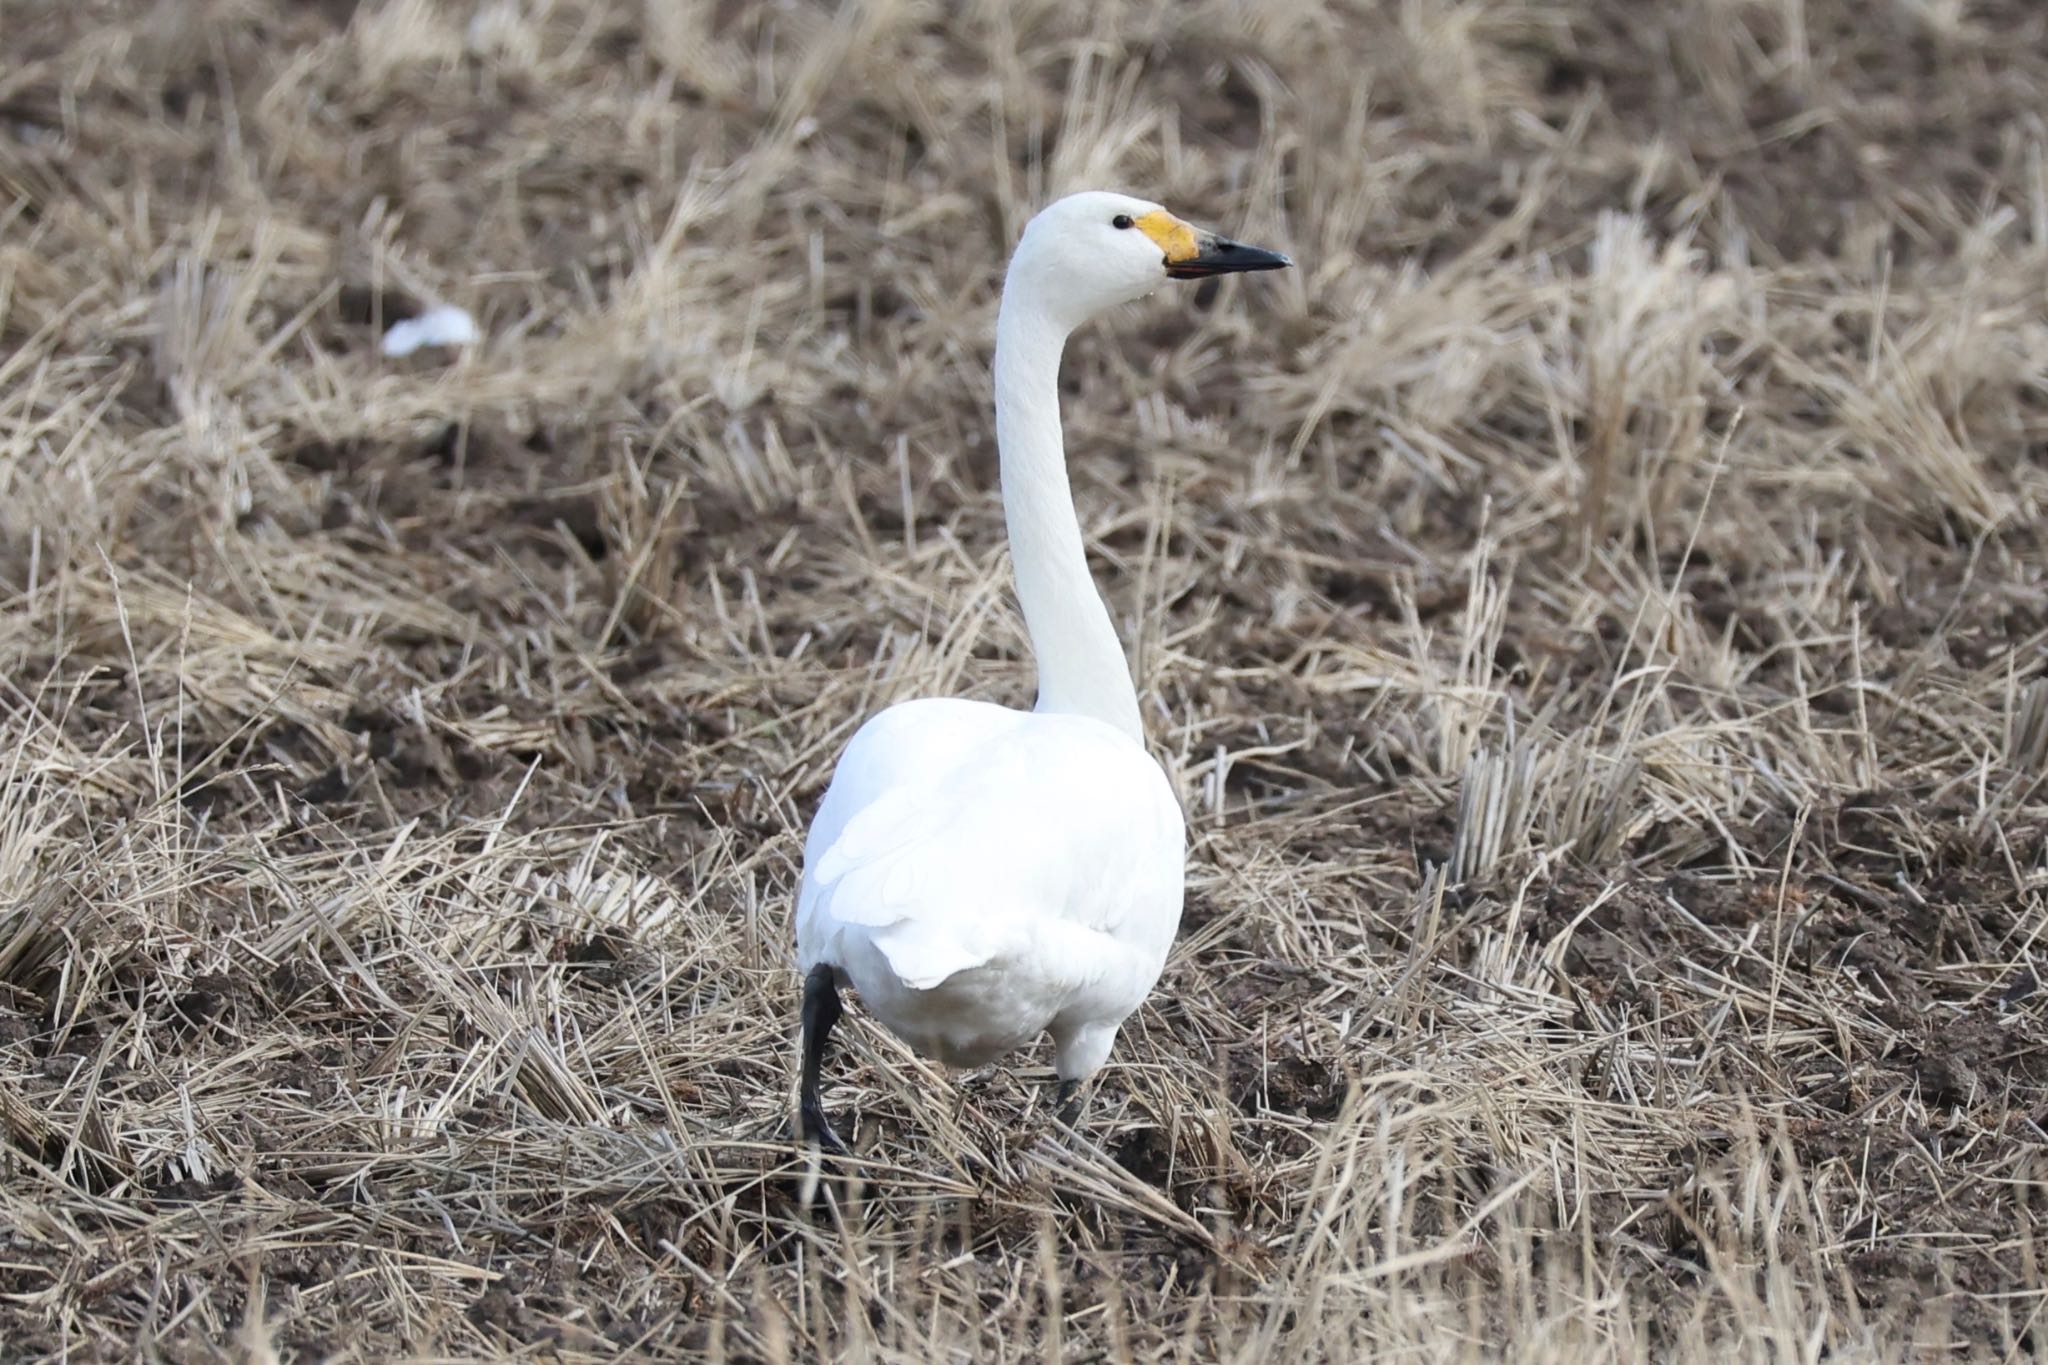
x: 1088, y: 252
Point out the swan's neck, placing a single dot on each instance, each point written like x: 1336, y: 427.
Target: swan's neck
x: 1081, y: 665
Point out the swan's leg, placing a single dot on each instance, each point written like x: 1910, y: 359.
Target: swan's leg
x: 821, y: 1011
x: 1068, y: 1097
x: 1079, y: 1051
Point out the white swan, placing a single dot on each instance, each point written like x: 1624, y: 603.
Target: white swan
x: 983, y: 875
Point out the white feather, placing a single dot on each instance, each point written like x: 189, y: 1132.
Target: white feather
x: 445, y: 325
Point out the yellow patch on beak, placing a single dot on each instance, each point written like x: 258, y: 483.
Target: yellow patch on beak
x: 1174, y: 237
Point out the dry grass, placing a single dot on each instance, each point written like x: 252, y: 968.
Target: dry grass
x: 1594, y: 610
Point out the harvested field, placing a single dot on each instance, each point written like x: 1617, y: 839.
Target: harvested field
x: 1595, y: 611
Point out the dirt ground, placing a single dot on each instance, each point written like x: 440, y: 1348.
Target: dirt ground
x: 1595, y: 611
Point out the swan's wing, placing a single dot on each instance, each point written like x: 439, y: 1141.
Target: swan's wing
x: 886, y: 791
x: 1037, y: 818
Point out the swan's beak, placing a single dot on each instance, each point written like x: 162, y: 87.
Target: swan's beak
x: 1192, y: 254
x: 1220, y: 256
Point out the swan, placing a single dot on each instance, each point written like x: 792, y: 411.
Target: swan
x: 982, y: 875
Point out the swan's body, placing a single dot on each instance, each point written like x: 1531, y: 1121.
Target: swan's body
x: 983, y: 875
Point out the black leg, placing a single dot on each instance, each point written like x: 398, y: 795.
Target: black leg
x: 1068, y: 1097
x: 821, y: 1011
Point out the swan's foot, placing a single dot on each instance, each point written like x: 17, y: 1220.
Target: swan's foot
x: 821, y: 1010
x: 816, y: 1128
x: 1068, y: 1097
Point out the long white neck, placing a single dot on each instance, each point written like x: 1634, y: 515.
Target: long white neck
x: 1081, y: 666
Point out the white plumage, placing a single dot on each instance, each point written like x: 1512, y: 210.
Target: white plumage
x: 983, y: 875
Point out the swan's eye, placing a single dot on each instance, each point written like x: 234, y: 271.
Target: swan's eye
x: 1122, y: 220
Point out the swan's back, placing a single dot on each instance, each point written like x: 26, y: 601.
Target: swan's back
x: 958, y: 835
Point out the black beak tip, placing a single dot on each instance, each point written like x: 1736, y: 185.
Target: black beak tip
x: 1225, y: 257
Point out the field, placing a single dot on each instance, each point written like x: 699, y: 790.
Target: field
x: 1593, y: 611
